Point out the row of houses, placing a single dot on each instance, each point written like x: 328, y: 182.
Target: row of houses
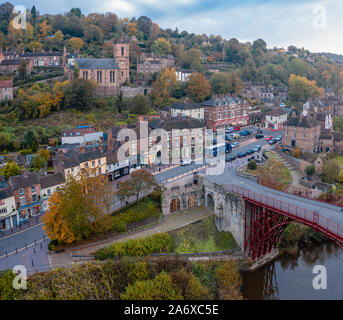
x: 218, y: 113
x: 26, y: 196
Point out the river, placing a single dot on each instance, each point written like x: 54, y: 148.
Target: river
x: 291, y: 278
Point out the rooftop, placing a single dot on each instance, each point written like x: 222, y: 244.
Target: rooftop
x: 96, y: 63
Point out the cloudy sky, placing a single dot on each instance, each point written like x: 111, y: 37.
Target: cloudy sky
x: 314, y: 25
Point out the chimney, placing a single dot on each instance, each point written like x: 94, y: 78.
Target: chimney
x: 110, y: 142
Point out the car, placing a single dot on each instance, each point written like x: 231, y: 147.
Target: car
x: 258, y: 148
x: 235, y: 145
x: 241, y: 154
x: 229, y: 130
x: 186, y: 162
x: 279, y: 138
x: 259, y: 136
x: 230, y: 158
x: 250, y: 152
x: 237, y: 128
x: 252, y: 158
x: 269, y: 138
x: 228, y: 137
x: 272, y: 141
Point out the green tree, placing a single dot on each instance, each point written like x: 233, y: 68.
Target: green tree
x: 221, y: 83
x: 38, y: 162
x: 79, y: 94
x: 310, y: 170
x: 331, y: 171
x: 10, y: 170
x: 301, y: 89
x: 30, y: 141
x: 161, y: 45
x: 252, y: 165
x: 5, y: 141
x: 139, y: 105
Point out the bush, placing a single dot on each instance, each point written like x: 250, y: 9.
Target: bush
x: 310, y: 170
x: 158, y: 243
x: 252, y: 165
x: 135, y: 213
x: 296, y: 153
x: 52, y: 246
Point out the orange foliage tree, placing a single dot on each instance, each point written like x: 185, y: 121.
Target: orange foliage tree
x: 198, y: 87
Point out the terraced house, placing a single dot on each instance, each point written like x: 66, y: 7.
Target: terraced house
x: 225, y: 111
x: 8, y: 212
x: 26, y: 189
x: 88, y: 161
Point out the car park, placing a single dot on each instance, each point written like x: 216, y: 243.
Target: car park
x: 230, y: 158
x: 241, y: 154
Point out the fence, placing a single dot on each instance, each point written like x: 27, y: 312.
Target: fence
x: 306, y: 216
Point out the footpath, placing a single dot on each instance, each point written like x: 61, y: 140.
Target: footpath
x: 168, y: 223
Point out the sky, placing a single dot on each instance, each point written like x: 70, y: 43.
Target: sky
x: 314, y: 25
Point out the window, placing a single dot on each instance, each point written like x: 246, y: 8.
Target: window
x: 33, y: 189
x: 99, y: 162
x: 93, y: 163
x: 86, y: 164
x: 112, y: 76
x: 21, y: 191
x: 34, y: 197
x: 49, y: 192
x: 3, y: 210
x: 22, y: 201
x: 99, y: 76
x: 122, y: 51
x: 99, y: 170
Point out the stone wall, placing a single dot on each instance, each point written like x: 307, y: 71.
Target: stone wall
x: 130, y: 92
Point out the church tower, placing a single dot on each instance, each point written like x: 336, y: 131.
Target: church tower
x: 122, y: 54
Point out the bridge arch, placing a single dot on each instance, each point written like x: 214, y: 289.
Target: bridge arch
x: 210, y: 203
x: 192, y: 201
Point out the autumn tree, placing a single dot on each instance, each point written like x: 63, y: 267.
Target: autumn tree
x: 198, y: 88
x: 80, y: 208
x: 131, y: 30
x: 229, y: 281
x: 140, y: 182
x: 301, y: 89
x: 76, y: 43
x: 165, y: 83
x: 162, y: 46
x: 45, y: 154
x: 44, y: 29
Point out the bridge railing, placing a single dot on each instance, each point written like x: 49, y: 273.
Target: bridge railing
x: 309, y: 217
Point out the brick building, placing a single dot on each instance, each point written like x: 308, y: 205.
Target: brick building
x: 6, y: 90
x: 44, y: 59
x: 26, y: 190
x: 302, y: 132
x: 225, y: 111
x: 149, y: 63
x: 275, y: 119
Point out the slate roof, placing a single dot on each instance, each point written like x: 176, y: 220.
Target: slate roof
x: 304, y: 122
x: 218, y: 102
x: 174, y: 124
x: 23, y: 181
x: 42, y: 54
x: 6, y: 193
x: 276, y: 112
x: 185, y: 106
x: 10, y: 62
x: 51, y: 180
x: 101, y: 64
x: 6, y: 84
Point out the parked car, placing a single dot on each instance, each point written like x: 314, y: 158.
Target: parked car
x: 186, y: 162
x: 241, y: 154
x: 237, y: 128
x: 272, y: 141
x: 252, y: 158
x: 235, y: 145
x: 229, y: 130
x: 258, y: 148
x: 269, y: 138
x: 250, y: 152
x: 228, y: 137
x: 230, y: 158
x: 259, y: 136
x: 279, y: 138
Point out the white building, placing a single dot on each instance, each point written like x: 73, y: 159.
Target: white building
x: 83, y: 139
x: 275, y: 119
x: 49, y: 185
x: 187, y: 109
x: 8, y: 212
x: 183, y: 74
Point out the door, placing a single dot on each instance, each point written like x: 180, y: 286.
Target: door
x: 175, y: 205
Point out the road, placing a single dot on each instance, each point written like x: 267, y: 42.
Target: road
x: 29, y: 237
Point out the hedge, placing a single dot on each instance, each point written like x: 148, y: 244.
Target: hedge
x: 143, y: 210
x: 158, y: 243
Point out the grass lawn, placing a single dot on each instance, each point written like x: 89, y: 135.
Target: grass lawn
x: 202, y: 237
x: 339, y: 160
x: 273, y: 170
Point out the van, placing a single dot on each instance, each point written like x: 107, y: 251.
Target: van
x: 186, y: 162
